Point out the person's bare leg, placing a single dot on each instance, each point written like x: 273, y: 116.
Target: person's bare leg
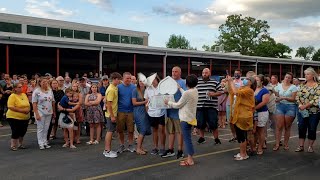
x: 279, y: 128
x: 108, y: 140
x: 70, y: 130
x: 155, y: 137
x: 287, y: 125
x: 121, y: 138
x: 180, y: 141
x: 98, y: 127
x: 162, y: 131
x: 91, y: 132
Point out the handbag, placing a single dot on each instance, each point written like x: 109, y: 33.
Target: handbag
x: 66, y: 119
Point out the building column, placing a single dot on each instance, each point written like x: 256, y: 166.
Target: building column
x: 134, y: 64
x: 58, y: 62
x: 189, y: 68
x: 270, y: 69
x: 7, y: 59
x: 256, y: 68
x: 164, y: 66
x: 100, y: 61
x: 280, y: 77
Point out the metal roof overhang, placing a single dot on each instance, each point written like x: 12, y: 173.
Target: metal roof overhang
x: 32, y: 40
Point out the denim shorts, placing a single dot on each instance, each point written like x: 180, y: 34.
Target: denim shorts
x: 286, y: 109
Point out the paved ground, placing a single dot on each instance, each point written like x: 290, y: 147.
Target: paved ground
x: 212, y: 162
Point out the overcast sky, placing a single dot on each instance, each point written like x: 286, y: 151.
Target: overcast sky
x: 292, y: 22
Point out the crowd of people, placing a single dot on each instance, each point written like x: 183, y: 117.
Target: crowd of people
x: 120, y: 103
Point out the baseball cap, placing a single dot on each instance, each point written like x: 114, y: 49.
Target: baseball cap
x: 104, y: 77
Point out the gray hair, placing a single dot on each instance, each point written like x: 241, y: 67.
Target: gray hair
x: 313, y: 72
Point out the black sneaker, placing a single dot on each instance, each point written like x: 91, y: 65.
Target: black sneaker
x: 168, y: 153
x: 201, y: 140
x: 217, y: 141
x: 180, y: 155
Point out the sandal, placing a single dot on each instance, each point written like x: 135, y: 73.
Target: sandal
x: 96, y: 142
x: 286, y: 148
x: 13, y: 148
x: 22, y: 147
x: 185, y: 163
x: 259, y: 152
x: 275, y: 148
x: 299, y: 149
x: 240, y: 158
x: 89, y: 142
x: 141, y: 152
x: 310, y: 149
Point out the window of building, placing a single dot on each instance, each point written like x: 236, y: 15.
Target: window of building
x: 55, y: 32
x: 67, y: 33
x: 10, y: 27
x: 114, y: 38
x: 101, y: 37
x: 125, y: 39
x: 81, y: 34
x: 36, y: 30
x: 137, y: 40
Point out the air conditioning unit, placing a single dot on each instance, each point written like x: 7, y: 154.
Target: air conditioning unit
x: 218, y: 48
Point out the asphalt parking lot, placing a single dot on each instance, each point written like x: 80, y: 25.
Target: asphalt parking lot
x: 212, y: 161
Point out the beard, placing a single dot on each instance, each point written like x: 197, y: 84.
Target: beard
x: 205, y: 78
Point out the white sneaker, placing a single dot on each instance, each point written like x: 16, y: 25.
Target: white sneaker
x: 47, y: 146
x: 41, y: 147
x: 110, y: 154
x: 73, y: 147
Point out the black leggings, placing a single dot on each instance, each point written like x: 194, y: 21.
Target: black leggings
x: 18, y: 127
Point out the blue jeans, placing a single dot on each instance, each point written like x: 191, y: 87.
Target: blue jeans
x: 186, y: 132
x: 309, y: 124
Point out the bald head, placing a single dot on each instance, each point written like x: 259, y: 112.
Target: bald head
x: 176, y: 72
x: 206, y: 73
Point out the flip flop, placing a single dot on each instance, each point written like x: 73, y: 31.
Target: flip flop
x: 185, y: 163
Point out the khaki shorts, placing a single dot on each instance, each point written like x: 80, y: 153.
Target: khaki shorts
x: 124, y: 119
x: 173, y: 126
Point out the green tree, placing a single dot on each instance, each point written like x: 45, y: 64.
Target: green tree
x: 249, y: 37
x: 178, y: 42
x: 268, y: 47
x: 242, y: 34
x: 305, y: 52
x: 208, y: 47
x: 316, y: 56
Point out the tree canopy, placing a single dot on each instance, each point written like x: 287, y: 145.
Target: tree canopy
x: 316, y: 56
x: 249, y: 37
x: 305, y: 52
x: 178, y: 42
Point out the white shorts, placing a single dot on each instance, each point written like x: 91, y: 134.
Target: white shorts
x: 263, y: 118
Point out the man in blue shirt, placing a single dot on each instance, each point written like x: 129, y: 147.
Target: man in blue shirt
x: 125, y: 112
x: 173, y: 121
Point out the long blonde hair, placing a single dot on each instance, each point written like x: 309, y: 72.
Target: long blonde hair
x: 313, y: 72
